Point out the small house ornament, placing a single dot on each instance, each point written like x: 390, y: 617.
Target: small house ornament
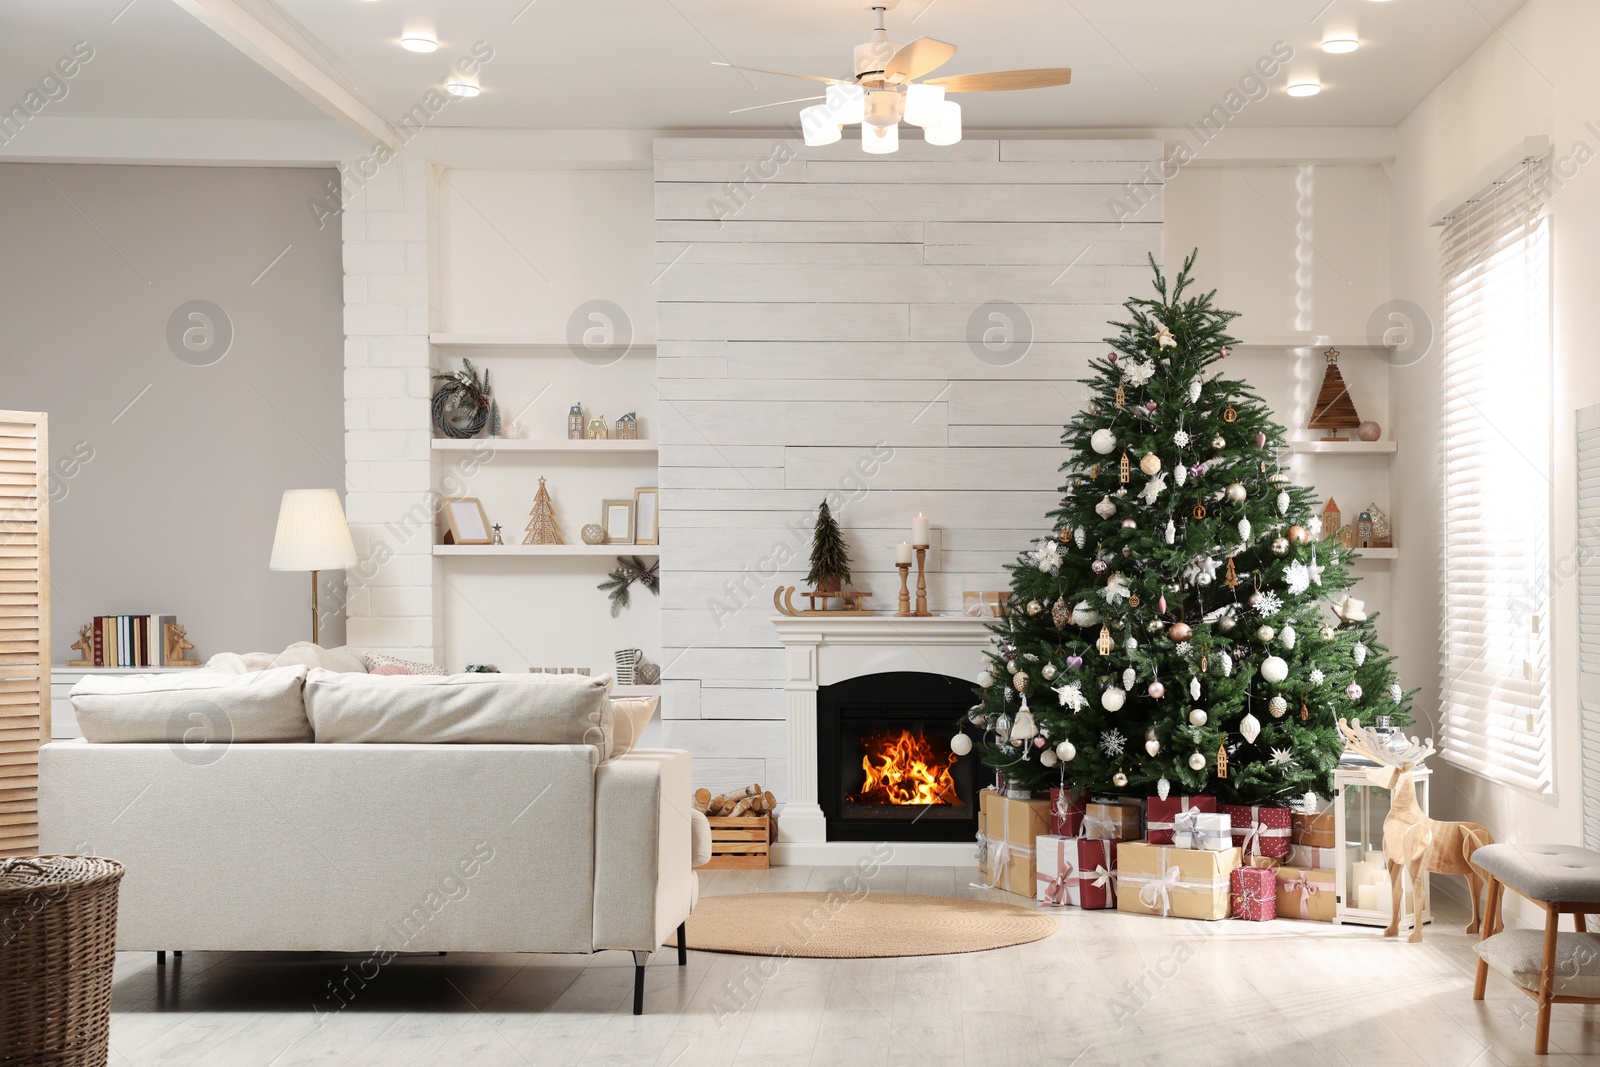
x: 628, y: 427
x: 597, y: 429
x: 575, y: 423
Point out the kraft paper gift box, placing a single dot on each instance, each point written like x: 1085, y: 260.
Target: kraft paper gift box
x: 1009, y: 827
x: 1312, y: 828
x: 1261, y: 830
x: 1159, y: 815
x: 1255, y: 894
x: 1056, y: 870
x: 1066, y: 811
x: 1203, y: 830
x: 1312, y: 856
x: 1306, y: 893
x: 1182, y: 882
x: 1097, y: 873
x: 1112, y: 822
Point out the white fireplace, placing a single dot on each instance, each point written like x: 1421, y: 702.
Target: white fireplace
x: 823, y: 650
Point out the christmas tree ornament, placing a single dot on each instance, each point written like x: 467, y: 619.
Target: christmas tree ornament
x: 1074, y: 661
x: 1197, y: 762
x: 1128, y: 678
x: 1104, y: 644
x: 1150, y: 406
x: 1023, y: 727
x: 1352, y: 692
x: 1048, y: 672
x: 1231, y: 578
x: 1261, y: 440
x: 1163, y: 787
x: 1079, y: 537
x: 1094, y: 472
x: 1395, y: 692
x: 1034, y: 607
x: 1288, y: 636
x: 1249, y: 728
x: 1002, y: 726
x: 1112, y: 743
x: 1274, y: 669
x: 1112, y: 699
x: 1119, y: 780
x: 1180, y: 474
x: 1064, y: 534
x: 1297, y: 578
x: 1126, y: 473
x: 1277, y: 707
x: 1180, y: 631
x: 1065, y: 751
x: 1130, y: 646
x: 1198, y: 717
x: 1226, y: 624
x: 1219, y: 442
x: 1106, y: 508
x: 1299, y: 535
x: 1230, y: 414
x: 1103, y: 441
x: 1199, y: 511
x: 1150, y: 464
x: 1222, y: 760
x: 1020, y: 680
x: 1084, y: 615
x: 985, y: 679
x: 961, y: 744
x: 1171, y: 533
x: 1011, y: 665
x: 1154, y: 488
x: 1072, y: 697
x: 1060, y: 614
x: 1244, y: 530
x: 1236, y: 493
x: 1133, y: 600
x: 977, y: 717
x: 1154, y: 626
x: 1161, y: 605
x: 1327, y: 633
x: 1359, y: 653
x: 1305, y: 713
x: 1265, y: 633
x: 1283, y: 502
x: 1099, y: 566
x: 1129, y: 524
x: 1152, y: 746
x: 1316, y: 676
x: 1280, y: 546
x: 1121, y: 397
x: 1227, y: 664
x: 1047, y: 758
x: 1157, y: 690
x: 1194, y: 689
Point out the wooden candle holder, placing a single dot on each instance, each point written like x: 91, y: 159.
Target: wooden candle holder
x: 922, y: 611
x: 905, y: 594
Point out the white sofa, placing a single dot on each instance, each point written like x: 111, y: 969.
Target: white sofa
x: 379, y: 847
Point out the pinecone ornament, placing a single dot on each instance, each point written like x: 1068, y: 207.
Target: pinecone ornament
x: 1060, y: 614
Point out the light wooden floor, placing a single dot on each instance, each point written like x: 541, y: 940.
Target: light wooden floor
x: 1106, y: 989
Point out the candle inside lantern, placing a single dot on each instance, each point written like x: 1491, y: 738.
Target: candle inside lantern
x: 919, y: 530
x: 902, y: 553
x: 1367, y: 897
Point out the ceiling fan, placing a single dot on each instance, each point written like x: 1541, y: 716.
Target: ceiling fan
x: 886, y: 92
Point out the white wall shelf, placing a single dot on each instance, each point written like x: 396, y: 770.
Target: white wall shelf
x: 521, y: 444
x: 636, y: 690
x: 1348, y: 448
x: 509, y: 340
x: 1311, y: 342
x: 1375, y: 553
x: 653, y: 551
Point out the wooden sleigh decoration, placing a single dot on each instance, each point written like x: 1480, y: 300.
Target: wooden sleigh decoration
x: 850, y: 599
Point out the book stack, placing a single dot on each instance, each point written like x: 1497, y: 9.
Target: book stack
x: 130, y: 640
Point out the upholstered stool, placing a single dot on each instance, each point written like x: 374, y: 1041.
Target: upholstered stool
x: 1554, y: 968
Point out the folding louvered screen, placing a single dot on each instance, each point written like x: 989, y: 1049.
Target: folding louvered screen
x: 24, y: 625
x: 1589, y: 616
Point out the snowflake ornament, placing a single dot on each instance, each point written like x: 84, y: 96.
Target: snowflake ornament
x: 1297, y: 578
x: 1112, y: 743
x: 1317, y: 677
x: 1181, y: 438
x: 1268, y: 603
x: 1282, y: 757
x: 1154, y: 488
x: 1181, y: 648
x: 1072, y: 696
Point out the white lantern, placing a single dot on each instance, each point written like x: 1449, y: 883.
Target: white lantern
x: 1361, y: 877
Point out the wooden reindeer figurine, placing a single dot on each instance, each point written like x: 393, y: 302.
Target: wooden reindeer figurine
x: 1411, y: 841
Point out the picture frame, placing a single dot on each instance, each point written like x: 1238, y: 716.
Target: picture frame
x: 647, y: 516
x: 466, y: 521
x: 616, y: 518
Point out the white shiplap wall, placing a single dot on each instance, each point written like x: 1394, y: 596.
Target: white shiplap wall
x: 813, y: 308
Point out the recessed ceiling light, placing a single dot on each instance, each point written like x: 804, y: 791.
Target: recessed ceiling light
x: 1340, y: 45
x: 1305, y: 88
x: 416, y: 42
x: 457, y: 88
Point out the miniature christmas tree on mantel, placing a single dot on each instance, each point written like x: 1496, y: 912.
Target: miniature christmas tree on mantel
x: 1334, y: 410
x: 542, y: 528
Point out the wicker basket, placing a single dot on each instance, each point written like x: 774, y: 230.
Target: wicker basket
x: 58, y: 940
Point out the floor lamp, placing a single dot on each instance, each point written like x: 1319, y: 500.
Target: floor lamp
x: 312, y: 536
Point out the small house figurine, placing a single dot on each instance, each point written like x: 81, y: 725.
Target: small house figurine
x: 1382, y: 532
x: 597, y: 429
x: 1364, y: 530
x: 1333, y: 528
x: 575, y: 423
x: 628, y: 427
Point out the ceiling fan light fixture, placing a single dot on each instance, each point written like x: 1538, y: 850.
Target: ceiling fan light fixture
x: 1304, y: 88
x: 845, y: 104
x: 947, y: 131
x: 1340, y: 45
x: 880, y: 140
x: 884, y: 107
x: 818, y: 125
x: 923, y: 104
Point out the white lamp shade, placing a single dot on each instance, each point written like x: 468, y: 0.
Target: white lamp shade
x: 846, y: 104
x: 922, y: 104
x: 817, y: 123
x: 880, y: 140
x: 948, y: 129
x: 312, y: 534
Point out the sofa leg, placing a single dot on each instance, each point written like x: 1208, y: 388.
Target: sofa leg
x: 683, y: 944
x: 177, y: 953
x: 639, y: 960
x: 161, y: 957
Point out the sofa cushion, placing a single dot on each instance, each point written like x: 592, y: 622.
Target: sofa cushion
x: 301, y: 654
x: 1519, y: 956
x: 144, y: 708
x: 632, y: 715
x: 374, y: 660
x: 484, y: 709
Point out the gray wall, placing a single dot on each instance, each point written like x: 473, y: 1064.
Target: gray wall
x: 175, y: 510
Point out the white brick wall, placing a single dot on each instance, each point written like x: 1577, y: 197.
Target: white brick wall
x: 391, y: 595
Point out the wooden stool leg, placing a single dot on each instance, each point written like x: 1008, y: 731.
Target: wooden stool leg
x: 1547, y: 982
x: 1491, y: 913
x: 1580, y: 922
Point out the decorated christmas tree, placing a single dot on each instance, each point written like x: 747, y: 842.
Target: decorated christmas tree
x: 1176, y: 628
x: 830, y: 558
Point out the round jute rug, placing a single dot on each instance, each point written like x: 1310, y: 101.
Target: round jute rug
x: 833, y: 926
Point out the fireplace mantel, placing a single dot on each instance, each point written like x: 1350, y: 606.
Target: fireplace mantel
x: 824, y: 649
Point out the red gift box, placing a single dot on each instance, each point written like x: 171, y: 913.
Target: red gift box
x: 1066, y: 811
x: 1255, y: 893
x: 1097, y: 873
x: 1259, y: 830
x: 1159, y: 815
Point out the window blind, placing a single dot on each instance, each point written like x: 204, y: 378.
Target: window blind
x: 1494, y: 645
x: 1589, y: 616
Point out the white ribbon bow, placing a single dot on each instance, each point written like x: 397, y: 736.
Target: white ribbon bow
x: 1160, y: 887
x: 1104, y: 824
x: 1187, y: 822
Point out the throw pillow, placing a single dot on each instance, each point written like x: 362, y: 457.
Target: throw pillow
x: 390, y: 668
x: 257, y: 706
x: 632, y: 716
x: 374, y: 660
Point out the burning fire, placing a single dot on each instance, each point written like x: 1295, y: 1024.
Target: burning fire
x: 904, y: 769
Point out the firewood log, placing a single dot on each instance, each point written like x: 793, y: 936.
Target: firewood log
x: 702, y: 797
x: 747, y: 791
x: 771, y: 801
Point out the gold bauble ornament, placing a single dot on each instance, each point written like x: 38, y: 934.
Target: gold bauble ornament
x: 1034, y: 607
x: 1180, y: 631
x: 1299, y: 534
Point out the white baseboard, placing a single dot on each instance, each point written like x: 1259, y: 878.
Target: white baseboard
x: 902, y: 853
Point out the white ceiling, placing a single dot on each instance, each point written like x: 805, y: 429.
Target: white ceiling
x: 647, y: 63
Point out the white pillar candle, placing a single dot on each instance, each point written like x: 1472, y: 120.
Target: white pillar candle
x: 919, y: 530
x: 1385, y: 895
x: 1367, y: 897
x: 1361, y: 873
x: 902, y: 553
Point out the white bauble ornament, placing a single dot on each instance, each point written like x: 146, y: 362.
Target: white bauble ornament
x: 1023, y: 727
x: 1119, y: 779
x: 1353, y: 692
x: 1274, y: 669
x: 1047, y: 758
x: 1048, y: 671
x: 1289, y: 637
x: 1197, y: 762
x: 1065, y: 752
x: 1083, y: 614
x: 1283, y: 502
x: 1171, y: 532
x: 1236, y: 493
x: 1150, y: 464
x: 1157, y: 691
x: 1249, y: 728
x: 1106, y: 508
x: 1112, y: 699
x: 1360, y: 654
x: 1163, y: 787
x: 985, y: 679
x: 1265, y: 633
x: 1194, y: 689
x: 1198, y: 717
x: 1395, y: 692
x: 1226, y: 624
x: 1103, y: 441
x: 1278, y: 707
x: 1128, y: 677
x: 961, y: 744
x: 976, y: 716
x: 1152, y: 746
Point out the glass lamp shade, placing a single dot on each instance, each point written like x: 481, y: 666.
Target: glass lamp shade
x: 846, y: 104
x: 312, y: 534
x: 923, y: 104
x: 948, y: 129
x: 818, y: 124
x: 880, y: 140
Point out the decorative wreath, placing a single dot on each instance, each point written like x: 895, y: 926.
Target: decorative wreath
x: 462, y: 406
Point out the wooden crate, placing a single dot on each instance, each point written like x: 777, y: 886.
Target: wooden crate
x: 742, y: 841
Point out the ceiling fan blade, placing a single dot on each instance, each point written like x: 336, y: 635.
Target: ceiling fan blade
x: 783, y: 73
x: 1003, y: 80
x: 922, y: 56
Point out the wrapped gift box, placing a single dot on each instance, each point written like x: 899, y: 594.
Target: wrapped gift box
x: 1203, y: 830
x: 1312, y: 856
x: 1255, y: 894
x: 1066, y: 811
x: 1009, y: 827
x: 1097, y: 873
x: 1164, y: 880
x: 1112, y: 822
x: 1056, y: 870
x: 1306, y: 893
x: 1312, y: 828
x: 1259, y: 830
x: 1159, y: 815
